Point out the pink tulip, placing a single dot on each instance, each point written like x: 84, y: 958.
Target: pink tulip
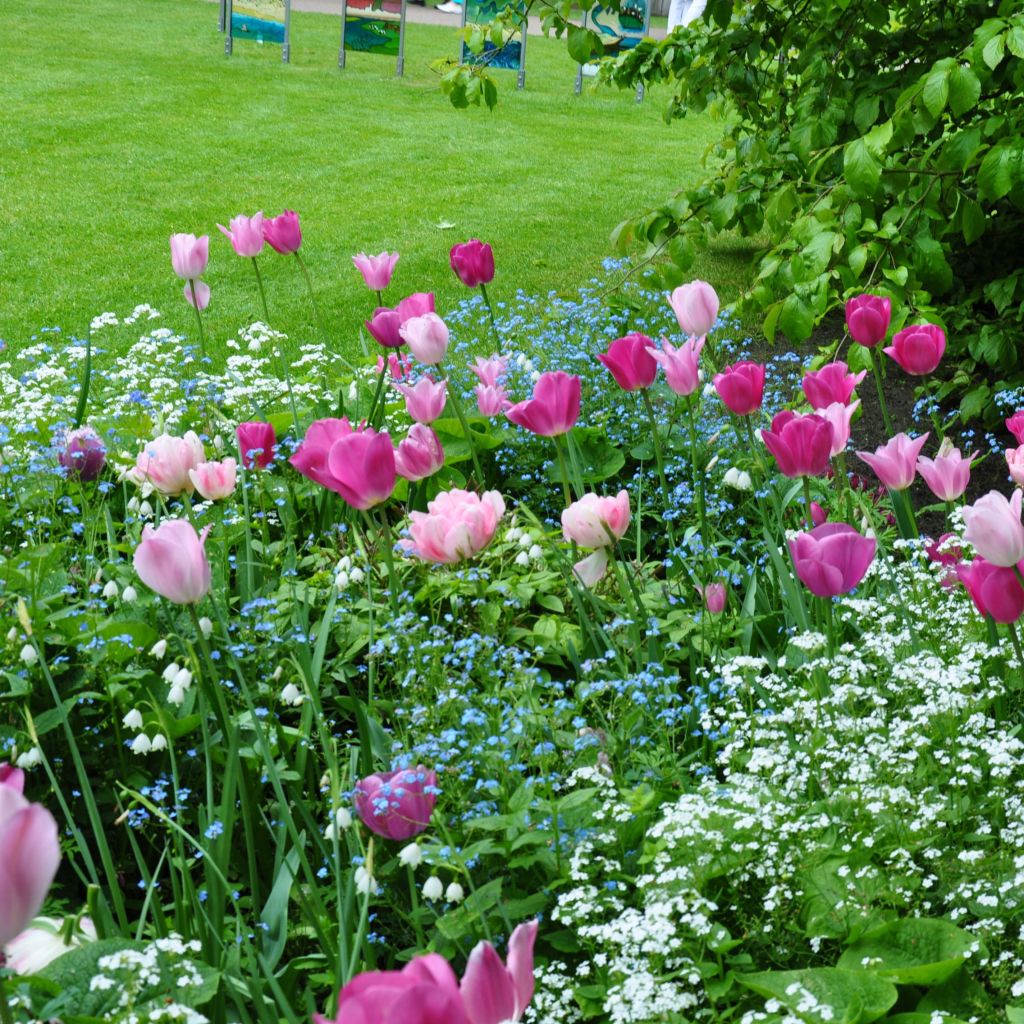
x: 590, y: 570
x: 1015, y: 425
x: 714, y: 595
x: 831, y: 559
x: 895, y: 463
x: 357, y: 464
x: 741, y: 387
x: 246, y: 234
x: 424, y: 991
x: 473, y: 263
x: 554, y: 408
x: 457, y: 525
x: 918, y: 349
x: 39, y: 945
x: 802, y: 445
x: 420, y: 454
x: 867, y: 319
x: 630, y: 363
x: 995, y: 590
x: 385, y: 327
x: 994, y: 528
x: 818, y: 514
x: 399, y: 366
x: 417, y: 304
x: 189, y: 255
x: 491, y: 400
x: 946, y: 555
x: 696, y: 308
x: 83, y: 454
x: 1015, y: 464
x: 29, y: 857
x: 497, y: 993
x: 424, y: 400
x: 283, y: 233
x: 376, y: 270
x: 427, y: 337
x: 595, y: 522
x: 841, y: 418
x: 197, y: 294
x: 13, y: 777
x: 681, y: 365
x: 832, y: 383
x: 214, y: 480
x: 397, y: 805
x: 946, y: 475
x: 165, y: 461
x: 490, y: 370
x: 171, y: 560
x: 256, y: 443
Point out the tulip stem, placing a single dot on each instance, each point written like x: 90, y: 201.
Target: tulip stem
x: 490, y: 313
x: 263, y: 294
x: 806, y: 481
x: 376, y: 395
x: 698, y: 475
x: 199, y: 318
x: 660, y: 460
x: 312, y: 295
x: 563, y: 469
x: 876, y: 369
x: 467, y: 433
x: 414, y: 899
x: 388, y: 542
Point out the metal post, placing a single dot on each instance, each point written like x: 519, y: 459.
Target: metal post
x: 400, y: 67
x: 344, y: 19
x: 521, y: 77
x: 220, y: 15
x: 286, y: 45
x: 647, y: 32
x: 228, y: 35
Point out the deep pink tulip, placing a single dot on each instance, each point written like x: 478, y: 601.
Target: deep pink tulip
x: 246, y: 234
x: 12, y: 776
x: 491, y: 399
x: 818, y: 514
x: 995, y: 590
x: 417, y: 304
x: 895, y: 463
x: 29, y: 857
x: 1015, y: 464
x: 948, y: 474
x: 832, y: 383
x: 215, y: 480
x: 399, y: 365
x: 867, y: 319
x: 994, y: 528
x: 802, y: 445
x: 385, y: 327
x: 630, y: 363
x: 283, y: 233
x: 256, y: 443
x: 1015, y: 425
x: 376, y: 270
x: 83, y: 454
x: 696, y: 308
x: 595, y: 522
x: 554, y: 408
x: 918, y: 349
x: 946, y: 555
x: 189, y: 255
x: 494, y: 992
x: 165, y: 461
x: 425, y: 991
x: 197, y: 294
x: 714, y: 596
x: 473, y: 263
x: 424, y: 400
x: 457, y: 525
x: 397, y: 805
x: 171, y: 560
x: 490, y: 370
x: 420, y: 454
x: 831, y: 559
x: 427, y: 337
x: 841, y: 418
x: 681, y: 365
x: 741, y: 387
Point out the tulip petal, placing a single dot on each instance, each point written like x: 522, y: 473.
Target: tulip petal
x: 520, y: 964
x: 487, y: 990
x: 29, y: 857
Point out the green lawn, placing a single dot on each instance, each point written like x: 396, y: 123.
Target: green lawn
x: 124, y: 122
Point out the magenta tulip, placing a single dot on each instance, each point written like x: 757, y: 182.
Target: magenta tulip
x: 256, y: 443
x: 595, y: 522
x: 918, y: 349
x: 246, y: 234
x: 12, y: 776
x: 994, y: 528
x: 427, y: 337
x: 681, y: 365
x: 385, y: 327
x: 357, y: 464
x: 282, y: 233
x: 165, y: 461
x: 491, y: 400
x: 457, y: 525
x: 995, y: 590
x: 489, y: 371
x: 417, y: 304
x: 831, y: 559
x: 473, y: 263
x: 841, y: 418
x: 215, y: 480
x: 802, y: 445
x: 83, y: 454
x: 895, y: 463
x: 948, y: 474
x: 818, y: 514
x: 630, y: 363
x: 29, y: 857
x: 696, y: 308
x: 1015, y: 464
x: 420, y: 454
x: 171, y: 560
x: 397, y: 805
x: 424, y: 400
x: 1015, y: 425
x: 741, y: 387
x: 197, y: 294
x: 832, y: 383
x: 554, y: 408
x: 497, y: 993
x: 189, y: 255
x: 714, y: 596
x: 867, y: 319
x: 376, y: 270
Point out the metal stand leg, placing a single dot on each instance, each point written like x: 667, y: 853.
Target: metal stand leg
x: 286, y: 45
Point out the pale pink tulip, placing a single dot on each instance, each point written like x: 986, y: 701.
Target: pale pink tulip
x: 948, y: 474
x: 246, y: 234
x: 895, y: 463
x: 165, y: 462
x: 420, y: 454
x: 457, y: 525
x: 214, y: 480
x: 696, y: 308
x: 197, y: 294
x: 189, y: 255
x: 172, y: 561
x: 595, y: 522
x: 376, y: 270
x: 424, y: 400
x: 490, y: 370
x: 994, y: 528
x: 681, y: 365
x: 427, y: 337
x: 491, y: 399
x: 841, y: 418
